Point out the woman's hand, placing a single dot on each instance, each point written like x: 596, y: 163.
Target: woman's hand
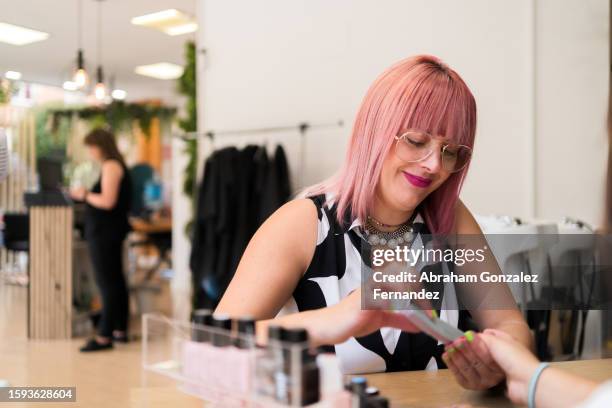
x: 78, y: 193
x: 346, y: 319
x: 515, y: 359
x: 472, y: 364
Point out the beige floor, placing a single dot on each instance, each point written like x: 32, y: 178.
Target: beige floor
x: 105, y: 379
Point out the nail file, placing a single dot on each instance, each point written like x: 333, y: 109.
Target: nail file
x: 433, y: 326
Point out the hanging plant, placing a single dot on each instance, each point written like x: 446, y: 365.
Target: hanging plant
x: 187, y: 86
x: 118, y: 115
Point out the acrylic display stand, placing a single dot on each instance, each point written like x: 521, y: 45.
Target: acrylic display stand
x: 230, y: 376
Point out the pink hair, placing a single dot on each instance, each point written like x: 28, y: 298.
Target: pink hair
x: 420, y: 92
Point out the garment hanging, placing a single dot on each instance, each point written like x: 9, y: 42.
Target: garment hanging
x: 238, y: 192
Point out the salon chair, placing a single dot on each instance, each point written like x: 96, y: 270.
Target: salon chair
x: 17, y: 232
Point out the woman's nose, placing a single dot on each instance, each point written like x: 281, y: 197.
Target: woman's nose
x: 433, y: 162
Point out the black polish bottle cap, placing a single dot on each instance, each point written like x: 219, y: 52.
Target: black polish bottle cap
x: 246, y: 333
x: 275, y: 332
x: 295, y: 335
x: 358, y: 385
x: 201, y: 317
x: 246, y: 325
x: 223, y: 324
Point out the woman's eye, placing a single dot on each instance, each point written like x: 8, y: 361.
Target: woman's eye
x: 450, y: 153
x: 415, y: 142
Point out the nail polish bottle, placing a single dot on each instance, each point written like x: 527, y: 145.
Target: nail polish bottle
x: 220, y: 371
x: 268, y: 363
x: 299, y: 381
x: 377, y: 402
x: 201, y: 317
x: 222, y: 335
x: 243, y: 355
x: 311, y: 381
x: 357, y: 387
x: 331, y: 375
x: 196, y: 355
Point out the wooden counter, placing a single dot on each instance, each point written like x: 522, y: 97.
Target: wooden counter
x: 116, y: 379
x: 439, y: 388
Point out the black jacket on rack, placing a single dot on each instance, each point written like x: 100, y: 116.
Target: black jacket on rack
x: 238, y: 191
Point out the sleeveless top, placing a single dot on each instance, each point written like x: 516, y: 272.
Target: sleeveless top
x: 113, y: 223
x: 335, y: 271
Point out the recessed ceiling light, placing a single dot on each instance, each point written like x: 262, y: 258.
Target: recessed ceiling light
x: 70, y: 86
x: 16, y: 35
x: 171, y: 22
x: 182, y: 29
x: 14, y: 75
x: 119, y: 94
x: 160, y: 70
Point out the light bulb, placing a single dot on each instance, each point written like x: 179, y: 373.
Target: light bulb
x: 80, y: 78
x: 119, y: 94
x: 100, y: 91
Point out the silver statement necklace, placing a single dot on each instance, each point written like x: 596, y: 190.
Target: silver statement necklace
x: 403, y: 234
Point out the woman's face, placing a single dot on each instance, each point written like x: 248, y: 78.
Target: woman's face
x: 94, y: 153
x: 404, y: 185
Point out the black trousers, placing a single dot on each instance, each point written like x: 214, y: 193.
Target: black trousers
x: 106, y: 256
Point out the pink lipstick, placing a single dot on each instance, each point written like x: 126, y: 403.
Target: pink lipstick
x: 416, y: 180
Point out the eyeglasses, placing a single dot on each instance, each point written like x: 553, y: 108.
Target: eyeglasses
x: 415, y: 146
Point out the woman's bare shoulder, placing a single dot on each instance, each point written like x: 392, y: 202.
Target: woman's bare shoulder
x: 300, y: 213
x: 112, y: 166
x: 465, y: 223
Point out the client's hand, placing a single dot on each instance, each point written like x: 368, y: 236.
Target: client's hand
x: 517, y: 362
x: 472, y: 364
x: 346, y: 319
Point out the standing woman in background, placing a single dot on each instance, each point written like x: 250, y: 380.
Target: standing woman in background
x: 106, y: 226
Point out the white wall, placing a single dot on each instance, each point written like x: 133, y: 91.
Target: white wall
x: 541, y: 120
x: 572, y: 97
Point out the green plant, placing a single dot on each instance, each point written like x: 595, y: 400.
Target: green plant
x: 5, y: 91
x: 187, y: 86
x: 118, y: 115
x: 50, y: 139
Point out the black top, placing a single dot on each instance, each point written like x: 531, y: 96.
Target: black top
x: 335, y: 271
x: 114, y: 222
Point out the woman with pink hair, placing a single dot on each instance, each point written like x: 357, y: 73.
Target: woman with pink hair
x: 407, y: 158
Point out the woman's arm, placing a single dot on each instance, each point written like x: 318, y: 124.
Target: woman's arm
x: 555, y: 388
x: 112, y: 172
x: 491, y: 306
x: 274, y: 261
x: 509, y: 320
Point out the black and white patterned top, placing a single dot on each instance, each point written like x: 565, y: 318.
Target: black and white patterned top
x: 335, y: 271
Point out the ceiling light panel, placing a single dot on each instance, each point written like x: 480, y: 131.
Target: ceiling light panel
x: 14, y: 75
x: 16, y: 35
x: 171, y: 22
x: 160, y: 70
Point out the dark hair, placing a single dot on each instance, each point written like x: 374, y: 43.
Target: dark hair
x: 105, y: 141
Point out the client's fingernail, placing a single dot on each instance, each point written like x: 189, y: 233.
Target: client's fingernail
x: 469, y: 336
x: 450, y: 350
x: 434, y: 313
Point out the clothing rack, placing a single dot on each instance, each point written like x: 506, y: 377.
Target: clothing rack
x: 302, y: 128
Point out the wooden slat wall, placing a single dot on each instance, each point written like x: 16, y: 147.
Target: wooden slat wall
x: 20, y: 127
x: 50, y: 273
